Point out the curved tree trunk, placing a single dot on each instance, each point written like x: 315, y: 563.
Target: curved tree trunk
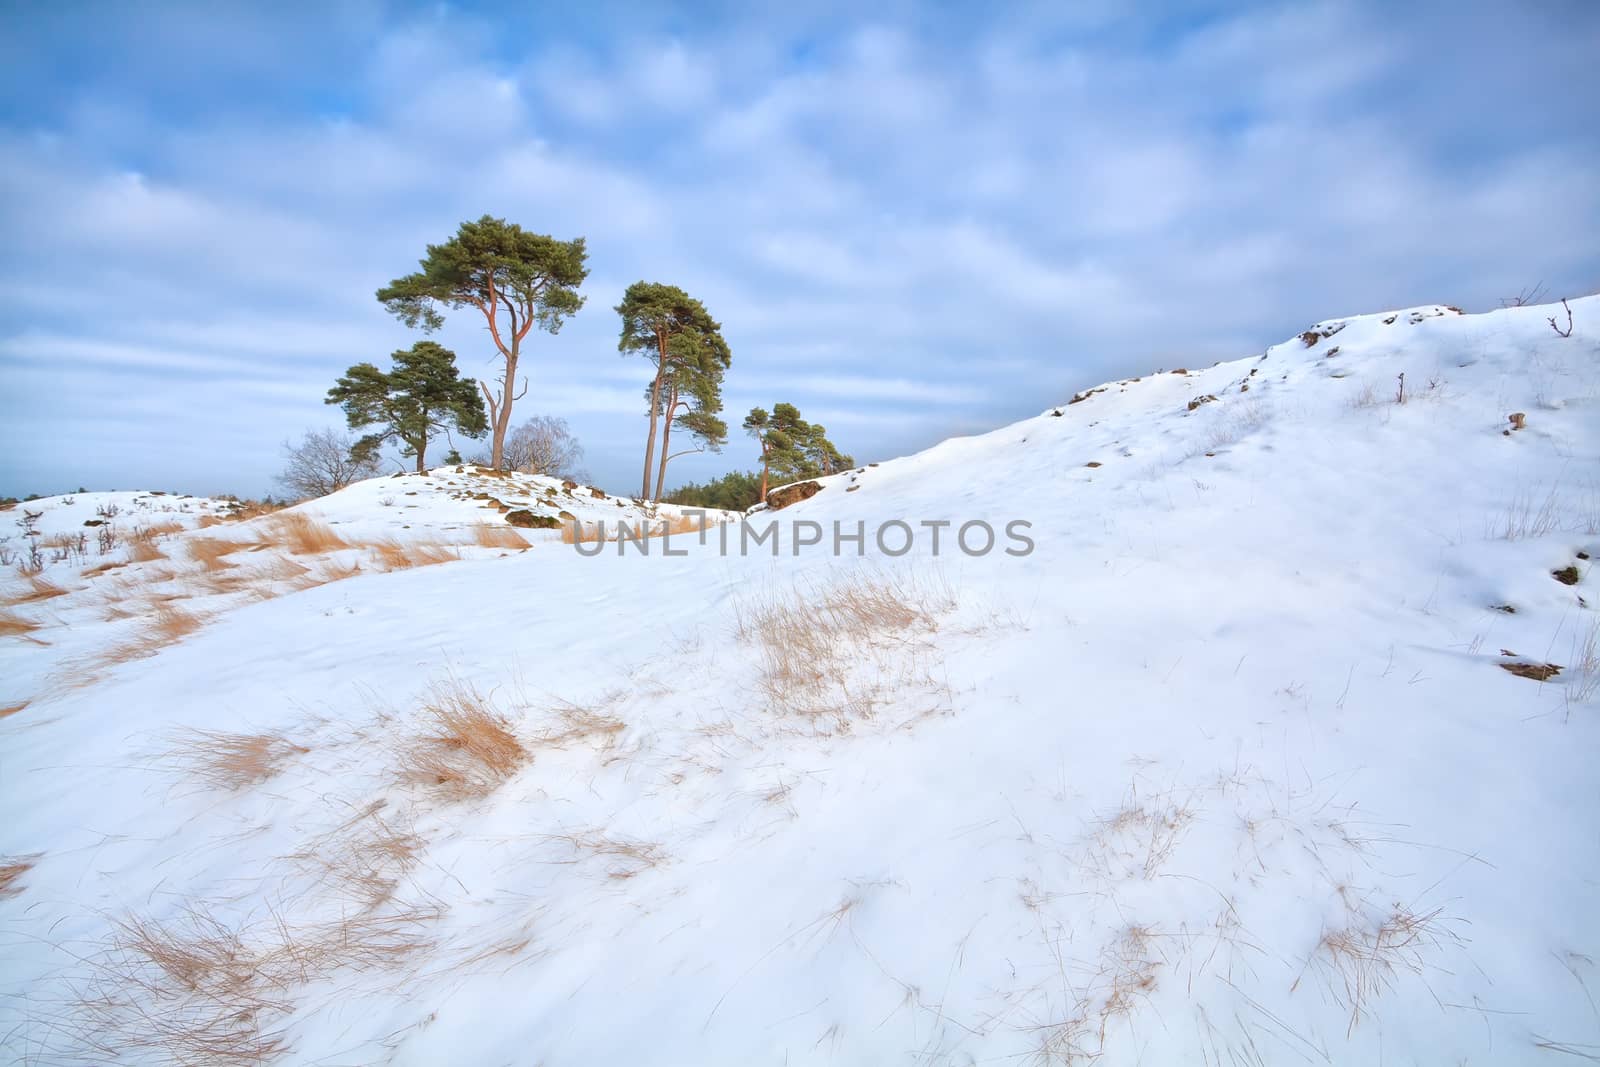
x: 655, y: 408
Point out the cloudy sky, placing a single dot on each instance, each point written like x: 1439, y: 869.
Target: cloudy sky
x: 926, y: 223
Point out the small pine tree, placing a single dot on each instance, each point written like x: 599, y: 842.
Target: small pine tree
x: 421, y: 397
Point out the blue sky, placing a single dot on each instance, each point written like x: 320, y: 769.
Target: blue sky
x: 927, y: 222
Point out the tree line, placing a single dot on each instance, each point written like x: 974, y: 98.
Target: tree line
x: 519, y: 282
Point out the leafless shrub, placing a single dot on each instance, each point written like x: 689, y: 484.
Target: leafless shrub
x: 1525, y: 297
x: 543, y: 445
x: 1559, y: 331
x: 230, y: 761
x: 320, y: 463
x: 470, y: 749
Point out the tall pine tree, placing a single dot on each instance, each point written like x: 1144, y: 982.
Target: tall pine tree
x: 517, y: 280
x: 676, y: 333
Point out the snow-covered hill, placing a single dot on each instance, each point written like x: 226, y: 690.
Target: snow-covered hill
x: 1260, y: 755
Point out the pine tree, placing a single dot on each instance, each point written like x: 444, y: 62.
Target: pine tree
x: 422, y: 396
x: 678, y: 334
x: 792, y: 448
x: 517, y: 280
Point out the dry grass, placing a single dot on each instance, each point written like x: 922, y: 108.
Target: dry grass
x: 575, y: 722
x: 13, y: 707
x: 164, y: 528
x: 144, y: 550
x: 1363, y: 961
x: 395, y: 556
x: 39, y: 589
x: 14, y: 625
x: 624, y: 858
x: 811, y: 640
x: 167, y: 625
x: 199, y: 991
x: 230, y: 761
x: 366, y: 857
x: 486, y: 535
x: 470, y: 748
x: 1584, y: 679
x: 12, y: 868
x: 212, y: 552
x: 303, y: 535
x: 584, y: 533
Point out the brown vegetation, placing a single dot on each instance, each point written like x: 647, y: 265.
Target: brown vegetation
x: 470, y: 749
x: 230, y: 761
x: 12, y: 868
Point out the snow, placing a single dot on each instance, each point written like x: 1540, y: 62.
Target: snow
x: 1226, y: 770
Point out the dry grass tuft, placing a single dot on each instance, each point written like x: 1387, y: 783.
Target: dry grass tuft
x: 625, y: 858
x: 1363, y: 961
x: 395, y: 556
x: 212, y: 552
x: 366, y: 857
x: 303, y: 535
x: 199, y: 991
x: 811, y: 640
x: 574, y: 722
x: 488, y: 536
x: 13, y: 707
x: 167, y: 626
x: 14, y: 625
x: 584, y: 533
x: 231, y: 761
x: 470, y: 749
x: 142, y: 550
x: 39, y: 589
x: 12, y: 868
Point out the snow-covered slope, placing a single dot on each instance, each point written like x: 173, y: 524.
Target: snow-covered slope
x: 1228, y: 769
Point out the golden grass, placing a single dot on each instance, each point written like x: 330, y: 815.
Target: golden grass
x: 230, y: 761
x: 584, y: 533
x: 197, y: 990
x: 14, y: 625
x: 574, y: 722
x: 395, y: 556
x: 141, y: 550
x: 1366, y: 959
x: 167, y: 625
x: 470, y: 748
x: 486, y: 535
x: 212, y: 552
x: 13, y: 707
x: 158, y: 529
x: 39, y: 589
x: 810, y: 639
x: 303, y: 535
x: 12, y: 868
x: 366, y: 857
x: 624, y: 858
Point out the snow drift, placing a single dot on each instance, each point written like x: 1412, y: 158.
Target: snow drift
x: 1278, y: 747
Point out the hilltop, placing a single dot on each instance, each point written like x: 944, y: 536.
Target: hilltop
x: 1276, y: 746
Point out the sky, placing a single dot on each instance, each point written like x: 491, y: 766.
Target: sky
x: 912, y: 221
